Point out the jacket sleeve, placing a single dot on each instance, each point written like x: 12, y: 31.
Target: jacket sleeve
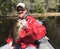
x: 39, y: 31
x: 36, y: 30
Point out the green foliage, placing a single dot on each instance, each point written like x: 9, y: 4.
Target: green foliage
x: 32, y: 1
x: 4, y: 9
x: 37, y: 9
x: 7, y: 6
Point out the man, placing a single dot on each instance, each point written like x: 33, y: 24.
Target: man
x: 30, y: 33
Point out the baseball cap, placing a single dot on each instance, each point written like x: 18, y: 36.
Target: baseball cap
x: 21, y: 4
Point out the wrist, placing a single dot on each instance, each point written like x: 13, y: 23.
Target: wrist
x: 10, y: 44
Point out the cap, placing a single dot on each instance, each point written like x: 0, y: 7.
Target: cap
x: 21, y: 4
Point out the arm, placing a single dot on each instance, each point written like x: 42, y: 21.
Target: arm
x: 39, y: 30
x: 9, y: 42
x: 35, y: 29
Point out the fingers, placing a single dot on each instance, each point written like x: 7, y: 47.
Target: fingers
x: 11, y: 47
x: 10, y: 44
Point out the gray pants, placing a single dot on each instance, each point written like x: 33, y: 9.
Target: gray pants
x: 31, y: 47
x: 7, y: 47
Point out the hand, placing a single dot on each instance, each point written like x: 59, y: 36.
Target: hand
x: 23, y: 24
x: 10, y: 45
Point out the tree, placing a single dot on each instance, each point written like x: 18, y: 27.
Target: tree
x: 5, y: 7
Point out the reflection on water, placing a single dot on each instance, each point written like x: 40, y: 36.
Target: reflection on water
x: 53, y: 30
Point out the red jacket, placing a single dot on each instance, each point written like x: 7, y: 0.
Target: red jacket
x: 34, y: 31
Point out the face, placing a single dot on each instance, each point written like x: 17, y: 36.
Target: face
x: 21, y: 12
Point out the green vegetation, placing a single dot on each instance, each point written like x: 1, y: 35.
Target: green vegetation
x: 33, y: 6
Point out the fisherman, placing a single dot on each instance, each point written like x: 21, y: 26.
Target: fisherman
x: 31, y: 30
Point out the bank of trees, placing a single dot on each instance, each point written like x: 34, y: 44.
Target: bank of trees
x: 33, y: 6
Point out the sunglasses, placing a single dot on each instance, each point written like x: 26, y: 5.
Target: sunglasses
x: 20, y: 12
